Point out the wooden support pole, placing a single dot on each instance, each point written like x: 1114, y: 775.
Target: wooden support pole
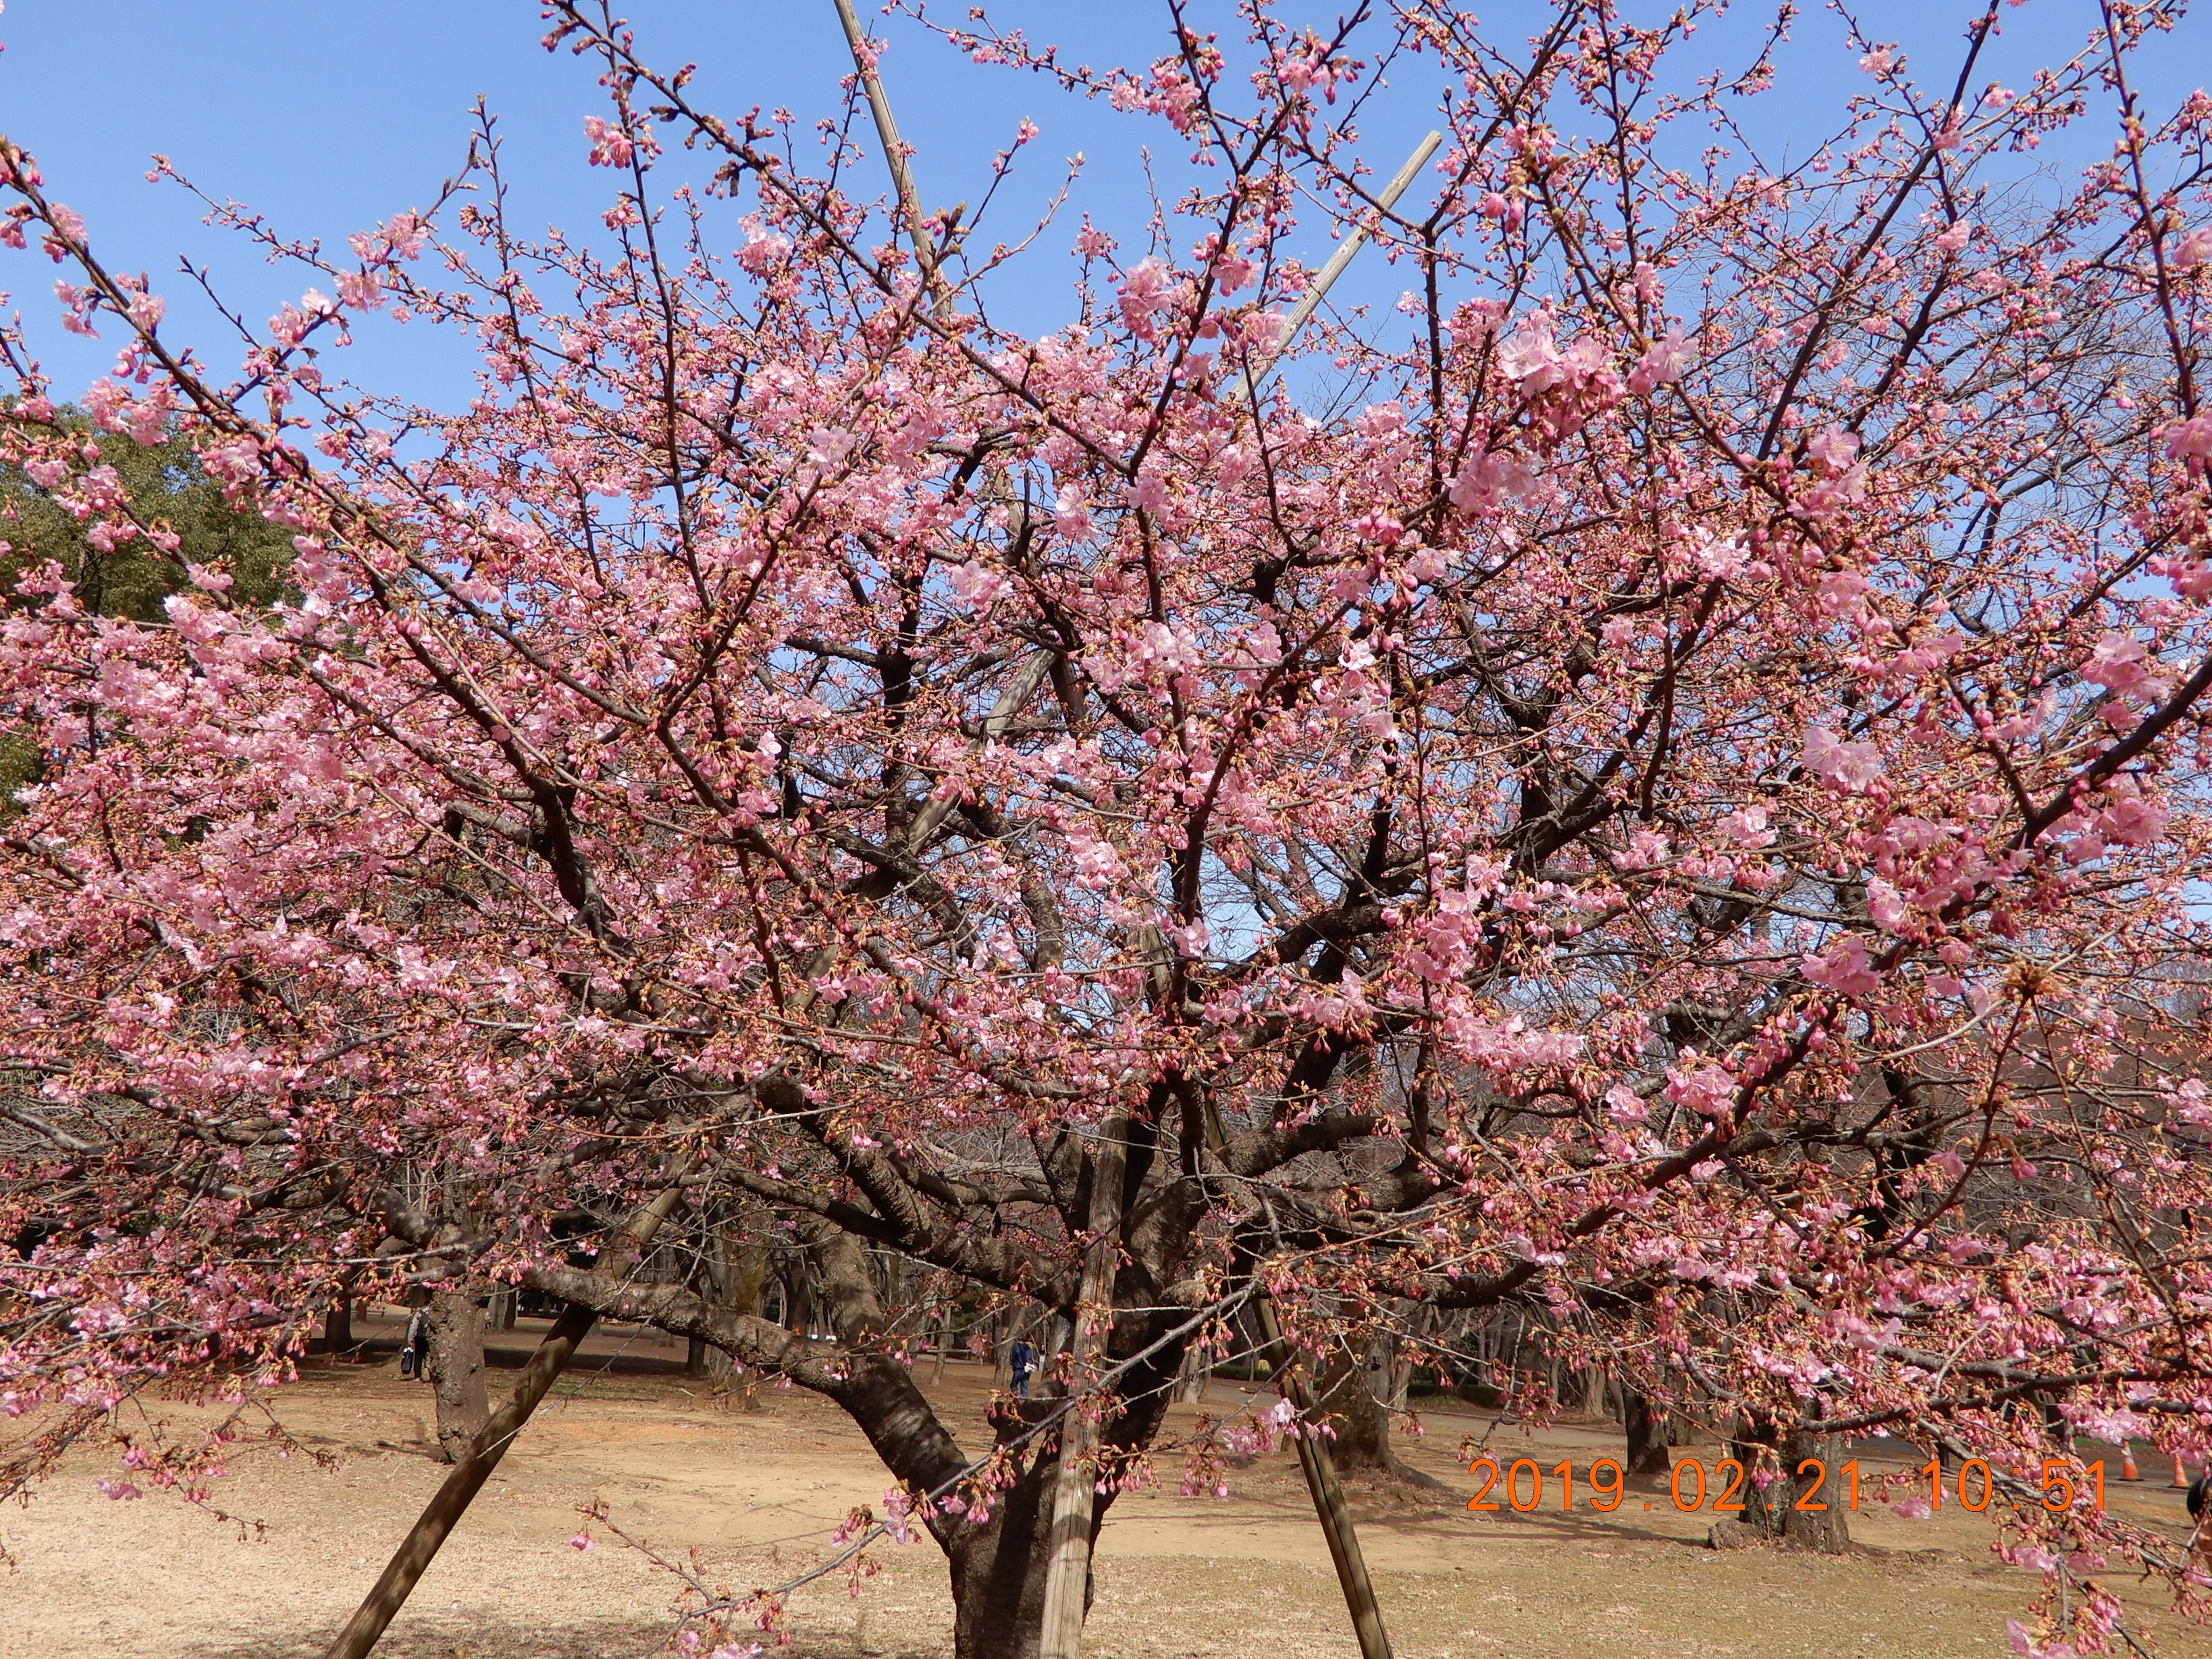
x: 1320, y: 1470
x: 909, y: 198
x: 451, y: 1499
x: 1318, y: 290
x: 1313, y: 1455
x: 1316, y: 1463
x: 1067, y: 1545
x: 1314, y: 1459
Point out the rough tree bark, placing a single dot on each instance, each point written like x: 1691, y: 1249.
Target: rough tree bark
x: 746, y: 1262
x: 1052, y: 1336
x: 736, y: 1278
x: 456, y: 1364
x: 1068, y: 1570
x: 944, y: 1340
x: 1827, y: 1530
x: 1349, y: 1391
x: 337, y: 1325
x: 798, y: 1289
x: 1647, y: 1456
x: 1186, y: 1385
x: 709, y: 1278
x: 998, y: 1569
x: 1771, y: 1510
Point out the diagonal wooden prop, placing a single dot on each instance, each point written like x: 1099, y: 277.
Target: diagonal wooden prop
x: 1314, y: 1459
x: 1318, y: 290
x: 879, y: 106
x: 1316, y: 1463
x: 451, y: 1499
x: 1068, y: 1563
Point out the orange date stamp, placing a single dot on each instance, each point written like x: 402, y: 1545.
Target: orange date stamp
x: 1975, y: 1484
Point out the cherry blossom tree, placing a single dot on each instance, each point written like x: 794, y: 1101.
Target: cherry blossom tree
x: 1657, y: 786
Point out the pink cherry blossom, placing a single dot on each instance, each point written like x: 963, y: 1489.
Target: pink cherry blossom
x: 610, y: 144
x: 1845, y: 968
x: 1620, y: 803
x: 1851, y: 766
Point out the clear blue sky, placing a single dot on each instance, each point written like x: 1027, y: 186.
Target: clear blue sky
x: 328, y: 118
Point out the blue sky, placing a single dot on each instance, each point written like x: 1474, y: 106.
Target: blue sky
x: 329, y: 118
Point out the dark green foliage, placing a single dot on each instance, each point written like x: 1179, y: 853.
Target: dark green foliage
x: 169, y: 492
x: 19, y: 765
x: 166, y: 485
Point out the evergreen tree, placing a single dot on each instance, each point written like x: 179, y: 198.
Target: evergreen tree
x: 170, y: 496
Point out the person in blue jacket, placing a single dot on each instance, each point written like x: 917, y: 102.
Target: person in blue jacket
x: 1023, y: 1361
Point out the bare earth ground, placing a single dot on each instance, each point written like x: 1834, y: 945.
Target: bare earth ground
x: 757, y: 1492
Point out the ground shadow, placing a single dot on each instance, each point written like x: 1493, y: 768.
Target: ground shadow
x: 614, y: 1640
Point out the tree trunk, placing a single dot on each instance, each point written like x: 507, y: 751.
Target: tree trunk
x: 1067, y: 1589
x: 799, y: 1299
x: 337, y: 1325
x: 1648, y: 1457
x: 1594, y: 1394
x: 1827, y: 1531
x: 1051, y: 1336
x: 738, y: 1276
x: 747, y: 1271
x: 1766, y: 1495
x: 1190, y: 1380
x: 1348, y: 1393
x: 895, y: 1282
x: 999, y: 1571
x: 456, y: 1362
x: 1771, y: 1511
x: 943, y: 1343
x: 997, y: 1567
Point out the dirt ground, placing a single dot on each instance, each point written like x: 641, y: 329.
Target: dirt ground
x: 757, y: 1492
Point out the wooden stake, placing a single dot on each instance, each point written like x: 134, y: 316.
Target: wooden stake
x: 1318, y: 1466
x: 1067, y: 1566
x: 1320, y: 1469
x: 909, y: 198
x: 1314, y: 1459
x: 1318, y: 290
x: 451, y: 1499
